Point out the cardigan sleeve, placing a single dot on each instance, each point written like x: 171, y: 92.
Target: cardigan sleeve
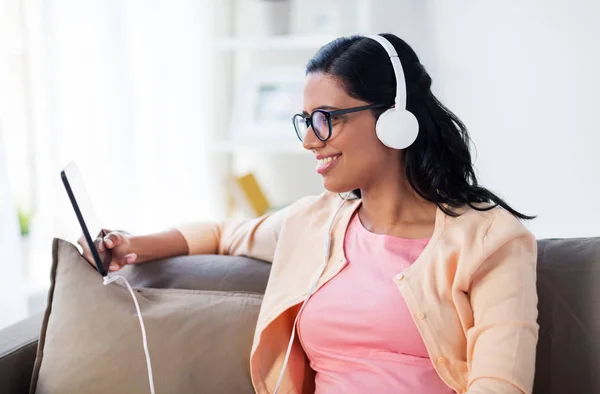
x: 501, y: 345
x: 256, y: 237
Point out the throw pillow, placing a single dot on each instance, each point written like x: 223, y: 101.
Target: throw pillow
x: 91, y: 342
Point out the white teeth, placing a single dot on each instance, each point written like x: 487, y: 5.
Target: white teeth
x: 326, y: 160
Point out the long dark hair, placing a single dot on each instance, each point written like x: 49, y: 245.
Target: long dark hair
x: 438, y: 164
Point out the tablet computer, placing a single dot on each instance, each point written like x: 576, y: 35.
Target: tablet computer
x: 82, y: 205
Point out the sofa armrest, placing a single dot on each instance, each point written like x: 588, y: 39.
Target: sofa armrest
x: 18, y: 346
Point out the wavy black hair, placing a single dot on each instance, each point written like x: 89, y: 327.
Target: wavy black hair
x: 438, y: 164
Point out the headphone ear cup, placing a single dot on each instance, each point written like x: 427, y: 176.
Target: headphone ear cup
x: 397, y: 128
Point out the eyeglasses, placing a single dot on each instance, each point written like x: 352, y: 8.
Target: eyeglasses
x: 320, y: 121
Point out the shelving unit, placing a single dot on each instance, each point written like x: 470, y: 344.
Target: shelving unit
x: 283, y: 168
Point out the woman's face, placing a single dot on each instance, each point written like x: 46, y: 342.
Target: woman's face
x: 353, y: 158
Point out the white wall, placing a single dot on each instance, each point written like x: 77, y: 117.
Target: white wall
x: 12, y: 289
x: 523, y: 75
x: 12, y: 117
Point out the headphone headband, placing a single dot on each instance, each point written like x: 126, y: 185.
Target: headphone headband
x: 400, y: 101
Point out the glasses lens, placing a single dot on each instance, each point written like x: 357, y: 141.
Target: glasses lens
x: 320, y: 124
x: 300, y: 126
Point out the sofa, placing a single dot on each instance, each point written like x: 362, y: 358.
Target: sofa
x: 568, y: 352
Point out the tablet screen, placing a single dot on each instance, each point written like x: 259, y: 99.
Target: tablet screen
x: 86, y: 216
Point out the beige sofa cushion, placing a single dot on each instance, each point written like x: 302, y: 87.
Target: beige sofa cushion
x: 91, y: 341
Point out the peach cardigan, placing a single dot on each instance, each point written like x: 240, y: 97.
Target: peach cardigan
x: 472, y: 292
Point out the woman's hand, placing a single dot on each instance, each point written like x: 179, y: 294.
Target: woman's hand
x: 118, y: 243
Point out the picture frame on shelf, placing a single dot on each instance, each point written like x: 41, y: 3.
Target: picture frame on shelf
x: 266, y: 100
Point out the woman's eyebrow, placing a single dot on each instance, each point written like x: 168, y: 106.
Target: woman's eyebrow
x: 326, y: 107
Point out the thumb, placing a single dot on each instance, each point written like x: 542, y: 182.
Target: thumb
x: 113, y: 239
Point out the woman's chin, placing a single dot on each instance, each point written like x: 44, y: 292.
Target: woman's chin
x: 335, y: 186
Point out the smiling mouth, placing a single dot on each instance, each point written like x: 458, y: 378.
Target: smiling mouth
x: 325, y: 164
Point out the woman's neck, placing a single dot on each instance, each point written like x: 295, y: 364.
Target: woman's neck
x: 396, y: 209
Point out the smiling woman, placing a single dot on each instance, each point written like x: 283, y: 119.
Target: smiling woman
x: 376, y: 129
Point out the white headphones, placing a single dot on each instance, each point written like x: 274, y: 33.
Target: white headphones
x: 396, y: 128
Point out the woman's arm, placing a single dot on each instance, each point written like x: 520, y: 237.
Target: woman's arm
x: 502, y: 342
x: 158, y: 246
x: 256, y: 238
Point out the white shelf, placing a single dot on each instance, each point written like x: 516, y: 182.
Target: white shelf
x: 291, y: 42
x: 259, y: 147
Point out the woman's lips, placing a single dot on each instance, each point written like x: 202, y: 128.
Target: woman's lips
x: 326, y: 164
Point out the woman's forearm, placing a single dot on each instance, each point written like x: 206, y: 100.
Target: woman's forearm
x: 157, y: 246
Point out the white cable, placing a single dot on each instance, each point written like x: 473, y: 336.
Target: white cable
x: 108, y: 280
x: 313, y: 286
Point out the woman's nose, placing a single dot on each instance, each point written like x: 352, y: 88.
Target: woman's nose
x: 311, y: 141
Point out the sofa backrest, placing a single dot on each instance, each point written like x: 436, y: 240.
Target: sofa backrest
x: 202, y: 272
x: 568, y: 284
x: 568, y: 353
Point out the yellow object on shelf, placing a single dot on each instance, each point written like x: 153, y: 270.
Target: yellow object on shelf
x: 253, y: 194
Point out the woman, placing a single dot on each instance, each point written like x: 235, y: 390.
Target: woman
x: 428, y: 280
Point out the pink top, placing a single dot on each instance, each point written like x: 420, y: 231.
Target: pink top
x: 357, y: 330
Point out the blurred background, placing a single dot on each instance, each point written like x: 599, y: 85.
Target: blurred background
x: 180, y: 110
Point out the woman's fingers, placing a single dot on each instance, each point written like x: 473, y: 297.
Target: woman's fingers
x: 130, y: 258
x: 117, y: 243
x: 114, y: 239
x: 116, y: 265
x: 120, y: 263
x: 110, y: 242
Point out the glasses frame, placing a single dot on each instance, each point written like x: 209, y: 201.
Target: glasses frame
x: 329, y: 115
